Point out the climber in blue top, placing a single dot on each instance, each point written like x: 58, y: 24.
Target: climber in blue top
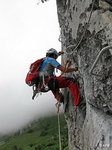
x: 55, y: 83
x: 49, y: 65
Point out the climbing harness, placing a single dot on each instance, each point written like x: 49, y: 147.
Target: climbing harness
x: 98, y: 57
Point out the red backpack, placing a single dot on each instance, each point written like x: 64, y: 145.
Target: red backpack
x: 32, y: 76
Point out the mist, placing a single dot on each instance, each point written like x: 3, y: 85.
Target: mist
x: 27, y: 31
x: 19, y: 110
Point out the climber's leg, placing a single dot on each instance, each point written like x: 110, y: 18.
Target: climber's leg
x: 73, y: 86
x: 58, y: 95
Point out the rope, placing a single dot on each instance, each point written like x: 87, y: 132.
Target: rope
x: 60, y: 145
x: 58, y: 104
x: 66, y: 67
x: 76, y: 46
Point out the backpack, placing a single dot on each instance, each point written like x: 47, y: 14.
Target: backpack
x: 32, y: 76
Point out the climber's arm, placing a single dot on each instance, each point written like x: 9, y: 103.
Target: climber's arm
x: 64, y: 69
x: 60, y: 53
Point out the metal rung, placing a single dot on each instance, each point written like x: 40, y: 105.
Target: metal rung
x: 98, y: 57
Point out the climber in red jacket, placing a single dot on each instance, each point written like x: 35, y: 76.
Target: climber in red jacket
x: 54, y: 83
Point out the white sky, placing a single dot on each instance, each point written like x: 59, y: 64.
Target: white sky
x: 27, y: 30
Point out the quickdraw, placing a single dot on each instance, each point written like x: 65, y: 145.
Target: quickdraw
x: 41, y: 87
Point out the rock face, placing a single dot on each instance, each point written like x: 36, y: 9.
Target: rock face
x: 86, y: 37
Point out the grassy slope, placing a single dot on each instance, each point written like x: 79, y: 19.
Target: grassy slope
x: 42, y: 135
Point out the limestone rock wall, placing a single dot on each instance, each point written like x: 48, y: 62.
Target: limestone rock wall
x: 86, y: 29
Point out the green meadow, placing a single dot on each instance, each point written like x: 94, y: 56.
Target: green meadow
x: 41, y: 135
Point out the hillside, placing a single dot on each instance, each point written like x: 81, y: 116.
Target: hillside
x: 41, y: 135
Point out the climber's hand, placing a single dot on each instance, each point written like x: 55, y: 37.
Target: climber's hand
x: 60, y: 53
x: 76, y: 68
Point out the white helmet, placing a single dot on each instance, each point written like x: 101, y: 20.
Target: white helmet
x: 52, y: 51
